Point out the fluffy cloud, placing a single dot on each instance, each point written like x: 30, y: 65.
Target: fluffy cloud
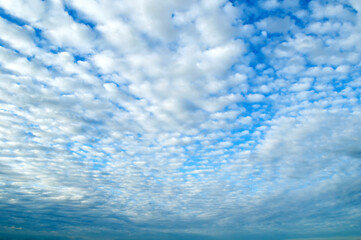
x: 179, y: 119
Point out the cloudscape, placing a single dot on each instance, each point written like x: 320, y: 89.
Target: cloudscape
x: 180, y: 119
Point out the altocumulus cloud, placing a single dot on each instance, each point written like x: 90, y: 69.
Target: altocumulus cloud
x: 152, y: 119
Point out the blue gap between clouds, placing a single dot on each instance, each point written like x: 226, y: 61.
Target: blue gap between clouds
x: 239, y: 2
x: 11, y: 18
x: 77, y: 17
x: 304, y: 3
x: 63, y: 49
x: 21, y: 22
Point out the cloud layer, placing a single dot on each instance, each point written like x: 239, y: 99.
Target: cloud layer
x: 180, y: 119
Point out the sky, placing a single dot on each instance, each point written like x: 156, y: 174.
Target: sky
x: 180, y: 119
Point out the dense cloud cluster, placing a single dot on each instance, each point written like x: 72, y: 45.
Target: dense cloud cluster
x: 180, y: 118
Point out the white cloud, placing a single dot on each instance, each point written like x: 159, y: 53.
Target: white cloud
x: 20, y: 65
x: 175, y: 116
x: 256, y: 97
x: 216, y: 61
x: 330, y: 11
x: 270, y: 4
x: 275, y: 24
x: 32, y: 12
x: 120, y: 36
x: 19, y: 38
x: 303, y: 85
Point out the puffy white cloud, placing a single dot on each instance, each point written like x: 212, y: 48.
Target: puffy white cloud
x: 32, y: 12
x: 336, y: 10
x: 256, y: 97
x: 18, y: 64
x: 143, y: 118
x: 275, y: 24
x: 302, y: 85
x: 217, y: 61
x: 19, y: 38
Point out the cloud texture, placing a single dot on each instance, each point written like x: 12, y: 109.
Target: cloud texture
x: 151, y: 119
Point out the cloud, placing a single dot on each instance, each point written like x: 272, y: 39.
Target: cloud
x: 18, y: 37
x: 24, y: 10
x: 255, y: 97
x: 275, y: 24
x: 153, y: 119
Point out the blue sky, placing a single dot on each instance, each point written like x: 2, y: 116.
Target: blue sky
x: 180, y: 119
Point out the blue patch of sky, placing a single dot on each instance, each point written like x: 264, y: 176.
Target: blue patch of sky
x: 11, y: 18
x: 247, y: 2
x: 339, y: 84
x: 258, y: 56
x: 56, y: 50
x: 252, y: 18
x: 351, y: 9
x: 78, y: 58
x: 77, y: 17
x: 299, y: 22
x: 259, y: 14
x: 304, y: 3
x: 4, y: 44
x: 39, y: 39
